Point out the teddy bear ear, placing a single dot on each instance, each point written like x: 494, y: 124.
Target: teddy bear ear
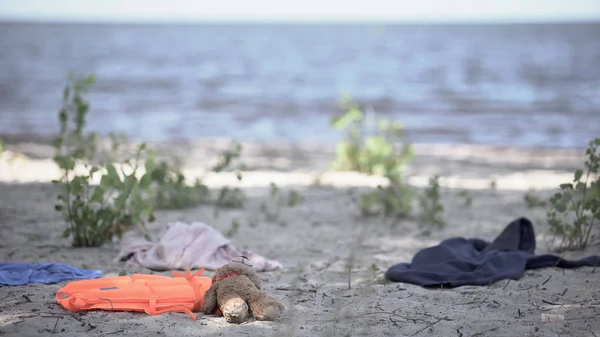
x: 242, y: 259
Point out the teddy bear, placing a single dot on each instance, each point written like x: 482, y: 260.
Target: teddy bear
x: 236, y: 292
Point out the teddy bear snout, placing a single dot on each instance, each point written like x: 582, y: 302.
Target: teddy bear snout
x: 235, y: 311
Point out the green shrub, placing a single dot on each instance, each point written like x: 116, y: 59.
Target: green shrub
x: 394, y: 200
x: 375, y: 152
x: 172, y: 192
x: 230, y: 197
x: 574, y: 211
x: 97, y: 212
x: 121, y: 201
x: 72, y: 144
x: 370, y: 151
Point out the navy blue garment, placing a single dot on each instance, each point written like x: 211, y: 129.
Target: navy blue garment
x: 18, y: 273
x: 459, y: 261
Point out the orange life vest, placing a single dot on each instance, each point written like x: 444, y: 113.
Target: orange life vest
x: 152, y: 294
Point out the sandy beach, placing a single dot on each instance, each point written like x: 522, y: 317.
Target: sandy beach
x: 314, y: 241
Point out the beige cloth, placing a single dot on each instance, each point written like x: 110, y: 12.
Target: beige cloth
x: 188, y: 246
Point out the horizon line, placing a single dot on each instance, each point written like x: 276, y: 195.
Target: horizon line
x: 158, y: 21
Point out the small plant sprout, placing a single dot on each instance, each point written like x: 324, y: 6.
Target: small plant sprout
x: 375, y: 270
x: 431, y: 206
x: 231, y: 197
x: 318, y: 181
x: 533, y: 201
x: 467, y: 198
x: 574, y: 211
x: 349, y: 266
x: 235, y: 228
x: 271, y: 208
x: 293, y: 198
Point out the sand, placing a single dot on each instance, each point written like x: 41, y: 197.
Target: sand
x: 314, y: 241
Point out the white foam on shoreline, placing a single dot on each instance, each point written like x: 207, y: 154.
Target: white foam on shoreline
x: 17, y: 169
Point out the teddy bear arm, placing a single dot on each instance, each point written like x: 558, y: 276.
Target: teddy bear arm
x: 255, y: 279
x: 210, y: 299
x: 264, y: 307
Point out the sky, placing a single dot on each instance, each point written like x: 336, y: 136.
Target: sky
x: 305, y: 10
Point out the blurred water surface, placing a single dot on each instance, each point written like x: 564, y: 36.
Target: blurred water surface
x: 517, y: 85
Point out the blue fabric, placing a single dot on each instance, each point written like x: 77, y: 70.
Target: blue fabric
x: 17, y: 273
x: 459, y: 261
